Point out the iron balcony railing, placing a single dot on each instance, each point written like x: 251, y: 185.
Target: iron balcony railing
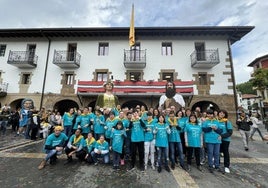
x: 135, y: 58
x: 3, y: 87
x: 66, y: 58
x: 21, y: 58
x: 205, y: 59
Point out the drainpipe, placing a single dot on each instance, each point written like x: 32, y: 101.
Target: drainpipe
x: 45, y: 73
x: 232, y: 75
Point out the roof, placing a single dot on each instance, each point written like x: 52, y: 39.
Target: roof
x: 144, y: 88
x: 249, y: 96
x: 234, y: 33
x: 257, y: 60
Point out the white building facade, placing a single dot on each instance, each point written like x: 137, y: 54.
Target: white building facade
x: 66, y: 67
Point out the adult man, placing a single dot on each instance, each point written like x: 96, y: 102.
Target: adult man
x: 108, y: 99
x: 54, y: 146
x: 171, y: 98
x: 244, y: 123
x: 4, y: 119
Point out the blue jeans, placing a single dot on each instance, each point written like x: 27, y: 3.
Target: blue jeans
x: 172, y: 146
x: 213, y: 154
x: 105, y: 157
x: 116, y: 158
x: 51, y: 153
x: 162, y: 155
x: 68, y: 130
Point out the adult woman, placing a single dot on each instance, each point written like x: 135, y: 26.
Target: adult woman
x: 227, y: 130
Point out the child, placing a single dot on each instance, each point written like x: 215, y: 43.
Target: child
x: 149, y: 141
x: 89, y: 146
x: 117, y: 140
x: 161, y: 132
x: 193, y: 141
x: 101, y: 150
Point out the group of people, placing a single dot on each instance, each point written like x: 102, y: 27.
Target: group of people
x: 168, y: 133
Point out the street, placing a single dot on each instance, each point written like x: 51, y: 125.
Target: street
x: 20, y: 159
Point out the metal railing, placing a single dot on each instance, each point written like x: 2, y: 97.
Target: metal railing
x: 65, y: 56
x: 3, y: 87
x: 207, y: 56
x: 23, y: 57
x: 134, y: 55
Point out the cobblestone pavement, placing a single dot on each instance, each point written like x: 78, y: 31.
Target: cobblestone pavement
x: 19, y: 159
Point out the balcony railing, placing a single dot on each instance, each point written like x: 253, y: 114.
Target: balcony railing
x: 65, y: 59
x: 135, y: 58
x: 205, y: 59
x: 3, y: 89
x: 22, y: 59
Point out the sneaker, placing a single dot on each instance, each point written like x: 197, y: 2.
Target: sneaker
x: 96, y: 163
x: 42, y: 164
x: 227, y: 170
x: 203, y: 162
x: 188, y: 168
x: 210, y: 169
x: 250, y: 138
x: 219, y: 170
x: 246, y: 148
x: 122, y: 162
x: 172, y: 166
x: 153, y: 167
x: 167, y: 169
x: 145, y: 167
x: 159, y: 169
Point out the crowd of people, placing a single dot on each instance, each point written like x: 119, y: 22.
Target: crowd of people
x: 159, y: 138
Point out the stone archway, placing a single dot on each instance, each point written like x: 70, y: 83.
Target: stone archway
x: 64, y: 105
x: 204, y: 105
x: 133, y: 104
x: 16, y: 104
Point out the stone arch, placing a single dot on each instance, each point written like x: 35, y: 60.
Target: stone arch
x: 204, y: 105
x: 63, y: 105
x: 16, y: 104
x: 133, y: 104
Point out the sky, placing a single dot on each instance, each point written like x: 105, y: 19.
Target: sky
x: 149, y: 13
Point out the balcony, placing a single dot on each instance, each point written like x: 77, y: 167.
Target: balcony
x: 3, y: 89
x: 205, y: 59
x: 65, y: 59
x: 22, y: 59
x: 135, y: 59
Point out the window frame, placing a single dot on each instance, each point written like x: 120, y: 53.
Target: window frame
x: 3, y: 48
x: 166, y: 49
x: 103, y: 49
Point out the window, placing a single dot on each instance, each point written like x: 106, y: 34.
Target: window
x: 102, y: 76
x: 202, y: 78
x: 168, y: 76
x: 103, y: 49
x: 167, y: 48
x: 134, y: 76
x: 2, y: 49
x: 25, y: 79
x: 69, y: 79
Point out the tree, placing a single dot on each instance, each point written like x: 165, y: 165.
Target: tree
x: 246, y: 88
x: 260, y: 80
